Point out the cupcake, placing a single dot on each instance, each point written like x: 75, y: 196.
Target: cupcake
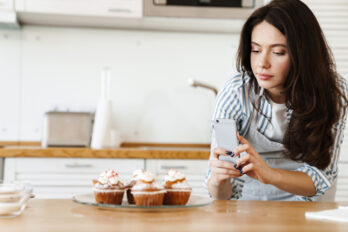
x: 178, y: 190
x: 108, y: 188
x: 132, y: 182
x: 146, y: 191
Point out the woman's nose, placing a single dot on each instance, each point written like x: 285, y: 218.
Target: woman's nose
x: 264, y: 61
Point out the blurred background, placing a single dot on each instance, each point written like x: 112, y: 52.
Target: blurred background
x: 54, y: 52
x: 52, y: 56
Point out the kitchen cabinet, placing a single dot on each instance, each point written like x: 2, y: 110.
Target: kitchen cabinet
x: 194, y: 171
x: 65, y: 177
x: 8, y: 16
x: 116, y: 8
x: 6, y: 5
x: 120, y: 14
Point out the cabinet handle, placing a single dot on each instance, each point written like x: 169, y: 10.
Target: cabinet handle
x: 78, y: 165
x: 172, y: 167
x: 119, y: 10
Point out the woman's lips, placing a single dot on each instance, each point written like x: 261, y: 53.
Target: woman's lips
x: 264, y: 77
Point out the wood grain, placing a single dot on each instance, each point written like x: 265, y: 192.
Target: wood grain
x: 255, y: 216
x: 127, y: 153
x: 20, y: 143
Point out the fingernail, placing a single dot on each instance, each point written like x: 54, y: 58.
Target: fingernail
x: 241, y: 171
x: 235, y: 165
x: 229, y: 152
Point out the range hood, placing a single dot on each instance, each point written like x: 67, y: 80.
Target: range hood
x: 215, y: 9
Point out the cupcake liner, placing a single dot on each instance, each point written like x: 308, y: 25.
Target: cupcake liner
x: 176, y: 197
x: 113, y: 197
x: 148, y: 198
x: 130, y: 197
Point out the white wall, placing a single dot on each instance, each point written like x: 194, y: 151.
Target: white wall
x: 10, y: 86
x: 43, y: 67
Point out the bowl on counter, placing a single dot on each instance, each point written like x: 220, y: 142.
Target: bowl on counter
x: 13, y: 198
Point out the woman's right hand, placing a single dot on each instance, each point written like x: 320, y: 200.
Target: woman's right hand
x: 221, y: 171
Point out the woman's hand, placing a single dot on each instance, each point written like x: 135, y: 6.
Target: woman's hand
x: 221, y: 171
x: 252, y: 163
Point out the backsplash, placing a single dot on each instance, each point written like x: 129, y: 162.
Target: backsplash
x: 50, y: 67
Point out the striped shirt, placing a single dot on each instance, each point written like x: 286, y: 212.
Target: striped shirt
x: 233, y: 103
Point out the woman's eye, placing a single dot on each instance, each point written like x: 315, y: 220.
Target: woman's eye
x: 279, y: 53
x: 255, y: 51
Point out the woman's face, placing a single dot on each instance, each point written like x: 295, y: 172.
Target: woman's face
x: 269, y: 59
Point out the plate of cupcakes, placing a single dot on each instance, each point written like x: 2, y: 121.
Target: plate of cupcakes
x: 143, y: 191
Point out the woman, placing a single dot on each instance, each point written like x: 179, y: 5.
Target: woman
x: 289, y: 105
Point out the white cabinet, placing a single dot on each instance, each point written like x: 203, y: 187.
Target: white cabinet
x: 342, y: 182
x: 65, y: 177
x: 194, y: 171
x: 8, y: 17
x: 6, y: 5
x: 117, y: 8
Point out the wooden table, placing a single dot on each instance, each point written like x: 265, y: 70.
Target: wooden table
x: 66, y: 215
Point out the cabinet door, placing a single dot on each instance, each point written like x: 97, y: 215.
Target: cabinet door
x: 117, y: 8
x: 342, y: 182
x: 6, y: 5
x: 65, y: 177
x: 194, y: 171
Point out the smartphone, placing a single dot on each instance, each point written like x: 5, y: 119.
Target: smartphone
x: 226, y: 136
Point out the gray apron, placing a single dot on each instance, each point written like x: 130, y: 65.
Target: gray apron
x: 272, y: 153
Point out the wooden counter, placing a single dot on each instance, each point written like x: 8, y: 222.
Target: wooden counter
x: 128, y: 153
x: 253, y: 216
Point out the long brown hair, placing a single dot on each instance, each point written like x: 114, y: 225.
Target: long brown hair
x: 311, y: 88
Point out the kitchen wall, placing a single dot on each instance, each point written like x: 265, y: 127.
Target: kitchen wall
x: 47, y: 67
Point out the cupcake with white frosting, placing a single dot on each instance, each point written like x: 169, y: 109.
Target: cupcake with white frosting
x: 146, y: 191
x: 132, y: 182
x: 108, y: 188
x: 178, y: 190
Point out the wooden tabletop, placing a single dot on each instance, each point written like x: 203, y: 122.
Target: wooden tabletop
x: 66, y: 215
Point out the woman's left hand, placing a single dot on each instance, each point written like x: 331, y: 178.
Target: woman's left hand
x: 253, y: 164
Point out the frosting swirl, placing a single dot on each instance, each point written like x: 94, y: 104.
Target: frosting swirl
x: 109, y: 177
x: 173, y: 176
x: 137, y: 173
x: 145, y: 176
